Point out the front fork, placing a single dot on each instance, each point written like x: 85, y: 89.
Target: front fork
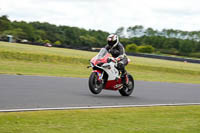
x: 99, y: 75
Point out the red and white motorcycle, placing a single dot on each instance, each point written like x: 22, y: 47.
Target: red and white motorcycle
x: 106, y: 76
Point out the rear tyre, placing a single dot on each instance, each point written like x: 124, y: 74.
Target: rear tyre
x: 94, y: 85
x: 127, y: 90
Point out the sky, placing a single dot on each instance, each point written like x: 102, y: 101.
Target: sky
x: 107, y: 15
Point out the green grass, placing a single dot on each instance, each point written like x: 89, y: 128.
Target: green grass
x: 169, y: 119
x: 39, y: 60
x: 44, y: 68
x: 33, y: 49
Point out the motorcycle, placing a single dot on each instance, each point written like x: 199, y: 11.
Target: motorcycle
x: 105, y: 75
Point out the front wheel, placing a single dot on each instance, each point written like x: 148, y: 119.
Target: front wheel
x: 127, y: 90
x: 94, y: 85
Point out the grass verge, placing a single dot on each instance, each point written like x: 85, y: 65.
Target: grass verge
x: 169, y: 119
x: 37, y: 60
x: 80, y: 70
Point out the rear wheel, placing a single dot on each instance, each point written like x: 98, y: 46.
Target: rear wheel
x: 128, y: 89
x: 95, y: 86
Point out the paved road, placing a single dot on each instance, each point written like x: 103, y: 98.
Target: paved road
x: 18, y: 92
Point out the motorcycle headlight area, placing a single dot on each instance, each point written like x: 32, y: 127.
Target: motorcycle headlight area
x: 91, y: 64
x: 99, y: 64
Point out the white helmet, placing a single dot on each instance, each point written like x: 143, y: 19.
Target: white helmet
x: 113, y: 40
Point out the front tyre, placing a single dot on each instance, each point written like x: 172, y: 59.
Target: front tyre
x: 94, y: 85
x: 127, y: 90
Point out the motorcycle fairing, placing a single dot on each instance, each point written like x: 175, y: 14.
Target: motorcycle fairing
x: 114, y: 85
x: 114, y: 80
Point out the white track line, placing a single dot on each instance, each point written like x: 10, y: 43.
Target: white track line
x: 96, y: 107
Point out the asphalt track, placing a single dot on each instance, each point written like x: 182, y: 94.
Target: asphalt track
x: 33, y: 92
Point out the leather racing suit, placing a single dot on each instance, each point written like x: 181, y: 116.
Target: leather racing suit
x: 119, y: 53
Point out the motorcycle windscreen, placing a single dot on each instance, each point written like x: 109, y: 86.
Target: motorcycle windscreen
x: 102, y: 53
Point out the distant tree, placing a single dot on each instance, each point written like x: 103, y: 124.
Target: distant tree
x: 41, y: 33
x: 120, y: 31
x: 88, y: 40
x: 28, y: 29
x: 5, y: 23
x: 185, y: 47
x: 125, y: 41
x: 40, y: 41
x: 197, y: 48
x: 150, y: 32
x: 17, y: 33
x: 136, y: 40
x: 136, y: 31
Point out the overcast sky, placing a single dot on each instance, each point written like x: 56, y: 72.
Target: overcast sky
x: 107, y: 15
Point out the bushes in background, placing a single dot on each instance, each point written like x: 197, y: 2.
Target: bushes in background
x: 133, y: 48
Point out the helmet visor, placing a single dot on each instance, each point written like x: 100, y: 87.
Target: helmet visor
x: 111, y: 43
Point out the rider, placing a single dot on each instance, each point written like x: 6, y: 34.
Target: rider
x: 117, y: 51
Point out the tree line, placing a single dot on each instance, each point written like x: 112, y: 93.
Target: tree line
x: 144, y: 40
x: 165, y: 45
x: 138, y: 31
x: 38, y: 32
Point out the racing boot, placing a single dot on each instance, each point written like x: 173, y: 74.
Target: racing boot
x: 124, y: 78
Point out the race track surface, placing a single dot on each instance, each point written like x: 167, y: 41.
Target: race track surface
x: 25, y: 92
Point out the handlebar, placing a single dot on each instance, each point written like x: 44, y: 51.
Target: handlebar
x: 113, y: 59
